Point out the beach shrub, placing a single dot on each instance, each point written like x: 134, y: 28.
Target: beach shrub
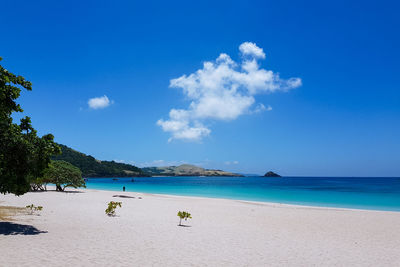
x: 23, y: 154
x: 63, y: 174
x: 183, y: 215
x: 112, y: 205
x: 34, y: 208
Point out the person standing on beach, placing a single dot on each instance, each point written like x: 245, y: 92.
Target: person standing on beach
x: 123, y: 188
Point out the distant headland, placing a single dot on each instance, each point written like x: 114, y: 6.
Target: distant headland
x: 92, y: 167
x: 186, y: 170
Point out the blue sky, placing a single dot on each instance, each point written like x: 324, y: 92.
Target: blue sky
x: 344, y: 119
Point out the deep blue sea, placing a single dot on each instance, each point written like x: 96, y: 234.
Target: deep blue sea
x: 359, y: 193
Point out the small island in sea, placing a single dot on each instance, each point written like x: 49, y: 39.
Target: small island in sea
x: 271, y: 174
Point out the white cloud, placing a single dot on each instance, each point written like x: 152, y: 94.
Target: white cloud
x: 99, y: 102
x: 222, y: 90
x: 251, y: 49
x: 179, y: 126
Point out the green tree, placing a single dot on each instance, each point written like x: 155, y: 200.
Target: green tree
x: 63, y: 174
x: 23, y: 155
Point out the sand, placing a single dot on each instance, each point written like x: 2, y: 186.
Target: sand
x: 73, y: 230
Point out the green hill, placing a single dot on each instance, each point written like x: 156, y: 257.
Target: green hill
x: 92, y: 167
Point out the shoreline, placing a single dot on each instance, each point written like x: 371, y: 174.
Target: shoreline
x: 271, y: 203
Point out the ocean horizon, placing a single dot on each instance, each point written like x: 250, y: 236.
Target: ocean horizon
x: 371, y: 193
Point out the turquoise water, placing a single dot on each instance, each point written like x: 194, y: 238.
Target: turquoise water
x: 358, y: 193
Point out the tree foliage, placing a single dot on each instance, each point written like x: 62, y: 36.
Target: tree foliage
x: 23, y: 155
x: 63, y: 174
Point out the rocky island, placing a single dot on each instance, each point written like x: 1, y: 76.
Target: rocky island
x: 271, y: 174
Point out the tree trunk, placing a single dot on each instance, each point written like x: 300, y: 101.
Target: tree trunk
x: 59, y: 188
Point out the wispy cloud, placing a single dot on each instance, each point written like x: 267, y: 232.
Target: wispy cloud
x: 160, y: 163
x: 235, y: 162
x: 222, y: 90
x: 260, y: 108
x: 99, y: 102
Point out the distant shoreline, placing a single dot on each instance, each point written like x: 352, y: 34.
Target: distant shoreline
x: 245, y: 176
x: 287, y: 203
x: 166, y: 176
x: 266, y: 203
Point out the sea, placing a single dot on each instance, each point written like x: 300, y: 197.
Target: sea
x: 372, y: 193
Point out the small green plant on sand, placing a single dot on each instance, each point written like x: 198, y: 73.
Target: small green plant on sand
x: 110, y: 211
x: 183, y: 215
x: 34, y: 208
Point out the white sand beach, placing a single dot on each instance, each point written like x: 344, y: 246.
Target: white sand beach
x: 73, y: 230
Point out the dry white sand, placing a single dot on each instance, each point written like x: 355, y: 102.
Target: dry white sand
x: 74, y: 231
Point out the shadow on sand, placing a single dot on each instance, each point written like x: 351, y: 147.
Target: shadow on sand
x: 9, y: 228
x: 70, y: 192
x: 123, y: 196
x: 53, y: 190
